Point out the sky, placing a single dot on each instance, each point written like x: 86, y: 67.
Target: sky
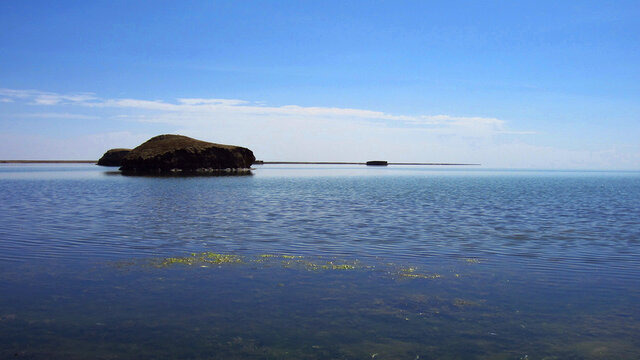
x: 507, y: 84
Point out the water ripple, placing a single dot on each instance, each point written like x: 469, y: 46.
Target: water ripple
x: 572, y: 222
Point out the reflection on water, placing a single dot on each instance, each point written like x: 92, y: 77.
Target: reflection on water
x: 319, y: 263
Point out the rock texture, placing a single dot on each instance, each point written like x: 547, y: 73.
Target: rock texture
x: 177, y: 153
x: 113, y: 157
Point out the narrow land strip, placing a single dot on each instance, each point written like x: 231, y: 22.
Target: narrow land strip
x: 350, y: 163
x: 48, y: 161
x: 257, y: 163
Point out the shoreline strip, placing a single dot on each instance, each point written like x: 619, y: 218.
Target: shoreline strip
x: 257, y: 163
x: 48, y: 161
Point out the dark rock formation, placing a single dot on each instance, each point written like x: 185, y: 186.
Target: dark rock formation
x: 113, y: 157
x: 177, y: 153
x: 377, y: 163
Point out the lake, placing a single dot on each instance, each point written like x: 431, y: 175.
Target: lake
x: 319, y: 262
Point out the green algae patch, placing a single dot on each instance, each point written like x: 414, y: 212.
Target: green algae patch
x: 420, y: 276
x: 333, y: 266
x: 294, y: 262
x: 203, y: 259
x: 411, y: 273
x: 271, y: 256
x: 330, y: 265
x: 284, y: 261
x: 221, y: 258
x: 318, y: 265
x: 267, y: 257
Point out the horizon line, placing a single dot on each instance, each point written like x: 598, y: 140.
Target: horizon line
x: 258, y: 162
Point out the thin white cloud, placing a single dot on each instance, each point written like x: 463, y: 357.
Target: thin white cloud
x: 514, y: 132
x: 293, y: 132
x: 197, y: 110
x: 198, y: 101
x: 186, y: 110
x: 47, y: 98
x: 57, y: 116
x: 20, y: 94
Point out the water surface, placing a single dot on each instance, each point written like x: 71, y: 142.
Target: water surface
x: 442, y: 263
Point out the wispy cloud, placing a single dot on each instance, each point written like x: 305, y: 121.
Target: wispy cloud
x: 287, y: 132
x: 53, y: 115
x: 20, y: 94
x: 196, y: 111
x: 197, y: 101
x: 54, y: 99
x: 37, y: 97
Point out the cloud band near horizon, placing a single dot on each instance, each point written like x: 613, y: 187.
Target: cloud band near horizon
x: 287, y: 132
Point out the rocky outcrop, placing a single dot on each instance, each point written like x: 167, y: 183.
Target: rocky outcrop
x: 377, y: 163
x: 113, y: 157
x: 181, y: 154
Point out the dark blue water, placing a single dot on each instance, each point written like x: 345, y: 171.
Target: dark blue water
x: 333, y: 263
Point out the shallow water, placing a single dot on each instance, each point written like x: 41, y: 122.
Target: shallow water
x: 426, y: 263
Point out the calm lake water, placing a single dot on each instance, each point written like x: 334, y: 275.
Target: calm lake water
x: 313, y: 262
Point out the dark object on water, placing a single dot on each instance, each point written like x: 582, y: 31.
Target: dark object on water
x: 181, y: 154
x: 113, y: 157
x: 377, y: 163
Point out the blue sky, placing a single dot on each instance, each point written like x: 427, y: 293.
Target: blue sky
x: 539, y: 84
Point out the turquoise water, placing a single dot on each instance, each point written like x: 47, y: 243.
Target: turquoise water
x: 319, y: 262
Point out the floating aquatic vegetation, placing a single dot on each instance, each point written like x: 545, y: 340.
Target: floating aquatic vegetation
x: 333, y: 266
x: 410, y: 272
x: 291, y: 261
x: 318, y: 265
x: 288, y: 261
x: 207, y: 257
x: 421, y: 276
x: 329, y: 265
x: 283, y: 256
x: 472, y: 260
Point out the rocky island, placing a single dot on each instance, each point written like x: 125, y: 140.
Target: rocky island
x: 113, y: 157
x: 171, y: 154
